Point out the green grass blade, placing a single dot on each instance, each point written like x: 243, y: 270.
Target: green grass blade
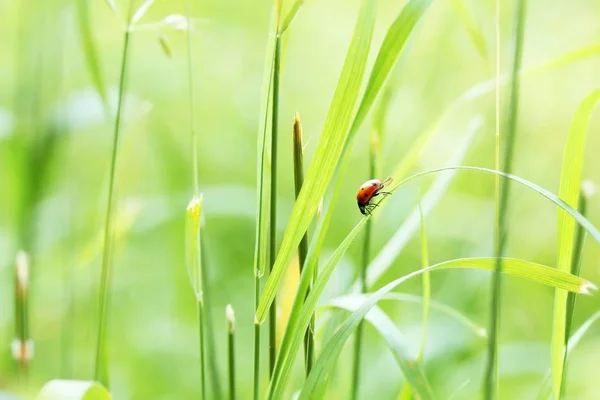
x: 89, y: 50
x: 546, y: 389
x: 589, y: 227
x: 388, y: 54
x: 101, y: 361
x: 521, y: 268
x: 327, y: 153
x: 396, y: 37
x: 570, y: 188
x: 491, y: 384
x: 291, y: 14
x: 301, y: 314
x: 411, y: 298
x: 264, y: 158
x: 384, y: 259
x: 472, y: 26
x: 411, y: 368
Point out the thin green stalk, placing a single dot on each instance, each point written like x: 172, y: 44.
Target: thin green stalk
x: 273, y: 208
x: 309, y: 340
x: 571, y: 299
x: 21, y: 343
x: 101, y: 368
x: 366, y: 257
x: 231, y: 349
x: 256, y: 340
x: 490, y: 380
x: 201, y: 346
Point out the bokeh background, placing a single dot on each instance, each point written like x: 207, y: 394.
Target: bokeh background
x: 47, y: 89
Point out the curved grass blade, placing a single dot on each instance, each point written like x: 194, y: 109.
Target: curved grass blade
x: 472, y: 26
x: 536, y: 272
x: 410, y: 366
x: 589, y: 227
x: 570, y: 189
x: 411, y: 298
x: 396, y: 38
x: 301, y: 314
x: 327, y: 154
x: 289, y: 17
x: 384, y: 259
x: 91, y: 55
x: 546, y: 389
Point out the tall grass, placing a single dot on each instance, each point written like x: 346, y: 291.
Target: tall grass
x: 490, y: 378
x: 101, y: 361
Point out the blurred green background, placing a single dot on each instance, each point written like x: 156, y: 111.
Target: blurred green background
x: 47, y: 90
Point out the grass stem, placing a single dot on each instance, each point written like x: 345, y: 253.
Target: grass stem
x: 366, y: 257
x: 309, y: 340
x: 256, y: 390
x: 231, y: 349
x: 490, y: 379
x: 273, y: 208
x: 201, y: 347
x: 101, y: 367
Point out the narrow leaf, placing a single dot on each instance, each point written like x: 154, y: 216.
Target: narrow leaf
x: 141, y: 11
x: 384, y: 259
x: 301, y: 314
x: 570, y: 188
x: 289, y: 17
x: 411, y: 368
x: 472, y: 26
x: 331, y: 351
x: 328, y: 151
x: 411, y: 298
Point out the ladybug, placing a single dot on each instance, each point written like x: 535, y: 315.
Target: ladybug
x: 367, y: 191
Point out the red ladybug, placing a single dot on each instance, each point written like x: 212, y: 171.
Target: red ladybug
x: 367, y: 191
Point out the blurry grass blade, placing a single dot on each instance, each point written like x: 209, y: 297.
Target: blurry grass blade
x: 89, y: 49
x: 193, y: 216
x: 388, y: 54
x: 231, y: 349
x: 141, y: 11
x: 113, y: 6
x: 327, y: 153
x: 546, y: 388
x: 301, y: 314
x: 411, y: 298
x: 472, y: 26
x: 289, y: 17
x: 525, y: 269
x: 264, y: 158
x: 125, y: 217
x: 570, y: 187
x: 589, y: 227
x: 62, y: 389
x: 101, y: 361
x: 384, y: 259
x: 570, y: 57
x: 426, y: 284
x: 411, y: 368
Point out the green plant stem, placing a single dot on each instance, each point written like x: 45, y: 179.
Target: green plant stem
x: 572, y: 298
x: 256, y: 339
x: 491, y: 366
x: 201, y: 347
x: 100, y: 369
x: 303, y: 247
x: 273, y: 208
x: 231, y: 361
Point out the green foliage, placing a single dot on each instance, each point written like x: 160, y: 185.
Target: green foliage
x: 569, y: 192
